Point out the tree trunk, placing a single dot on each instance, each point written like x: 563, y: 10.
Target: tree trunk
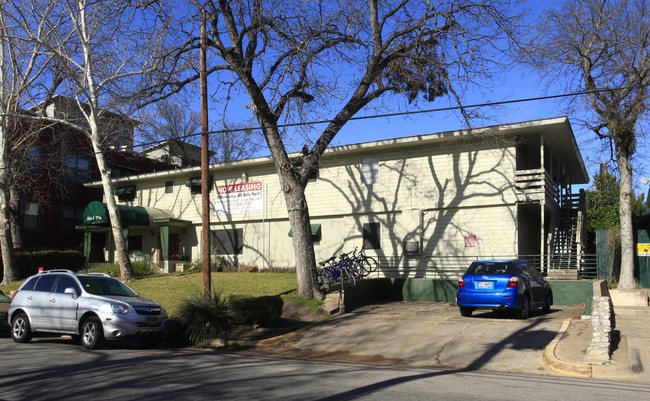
x: 10, y: 270
x: 303, y: 245
x: 626, y: 280
x: 14, y: 216
x: 121, y: 251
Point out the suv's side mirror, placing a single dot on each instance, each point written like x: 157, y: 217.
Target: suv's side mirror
x: 71, y: 291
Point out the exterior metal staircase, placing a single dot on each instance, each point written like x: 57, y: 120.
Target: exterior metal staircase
x: 566, y: 255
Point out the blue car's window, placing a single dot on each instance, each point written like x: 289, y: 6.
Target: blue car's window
x: 491, y: 268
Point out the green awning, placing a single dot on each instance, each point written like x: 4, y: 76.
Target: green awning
x: 193, y: 182
x: 96, y: 214
x: 125, y: 191
x: 315, y: 231
x: 196, y: 182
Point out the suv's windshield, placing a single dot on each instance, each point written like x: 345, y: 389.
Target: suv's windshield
x: 491, y: 268
x: 105, y: 286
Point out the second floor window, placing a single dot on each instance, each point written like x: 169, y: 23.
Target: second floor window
x: 33, y: 160
x: 77, y: 169
x: 370, y: 170
x: 70, y: 218
x: 30, y: 215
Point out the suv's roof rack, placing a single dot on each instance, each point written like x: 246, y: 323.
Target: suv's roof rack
x: 97, y: 274
x: 56, y: 271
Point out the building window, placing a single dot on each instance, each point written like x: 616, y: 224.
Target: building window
x: 30, y: 215
x: 227, y: 242
x: 117, y: 172
x: 33, y: 160
x: 126, y: 194
x: 370, y: 170
x: 169, y: 187
x: 77, y: 169
x: 371, y: 236
x: 70, y: 218
x: 194, y: 184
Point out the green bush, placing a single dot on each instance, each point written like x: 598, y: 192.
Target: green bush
x: 29, y: 262
x: 260, y: 310
x: 205, y: 319
x: 140, y: 269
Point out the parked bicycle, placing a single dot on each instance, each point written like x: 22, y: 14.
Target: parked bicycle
x: 352, y: 266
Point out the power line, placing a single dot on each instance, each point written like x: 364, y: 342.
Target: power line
x: 406, y: 113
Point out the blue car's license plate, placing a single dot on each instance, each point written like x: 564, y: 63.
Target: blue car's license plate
x: 485, y: 284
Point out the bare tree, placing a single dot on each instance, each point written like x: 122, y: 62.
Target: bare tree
x: 234, y: 142
x: 295, y: 60
x: 171, y: 121
x: 25, y: 73
x: 103, y: 50
x: 601, y: 46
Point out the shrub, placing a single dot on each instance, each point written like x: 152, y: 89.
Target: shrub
x: 279, y: 269
x: 140, y: 269
x: 221, y: 264
x: 205, y: 319
x: 29, y: 262
x: 260, y: 310
x: 247, y: 269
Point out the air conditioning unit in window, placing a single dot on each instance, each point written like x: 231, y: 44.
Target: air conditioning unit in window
x: 411, y: 248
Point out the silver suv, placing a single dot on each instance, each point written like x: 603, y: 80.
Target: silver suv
x: 90, y: 307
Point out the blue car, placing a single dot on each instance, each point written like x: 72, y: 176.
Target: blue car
x: 503, y: 284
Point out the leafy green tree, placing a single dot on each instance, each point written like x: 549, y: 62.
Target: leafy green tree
x: 603, y: 204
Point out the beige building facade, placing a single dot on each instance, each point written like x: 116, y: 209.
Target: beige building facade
x: 424, y: 206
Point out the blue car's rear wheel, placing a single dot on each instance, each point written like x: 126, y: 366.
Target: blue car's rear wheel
x: 465, y: 311
x: 524, y: 311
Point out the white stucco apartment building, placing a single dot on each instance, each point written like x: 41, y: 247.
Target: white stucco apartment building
x: 423, y: 205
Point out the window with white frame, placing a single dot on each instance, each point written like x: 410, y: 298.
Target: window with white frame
x: 30, y: 215
x: 370, y: 170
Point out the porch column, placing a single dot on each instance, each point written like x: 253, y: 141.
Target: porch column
x: 110, y: 256
x: 164, y: 243
x: 87, y: 246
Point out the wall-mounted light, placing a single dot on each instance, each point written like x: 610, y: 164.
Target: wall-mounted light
x: 244, y: 176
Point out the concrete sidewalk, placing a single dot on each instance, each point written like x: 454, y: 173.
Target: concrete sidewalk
x: 630, y: 339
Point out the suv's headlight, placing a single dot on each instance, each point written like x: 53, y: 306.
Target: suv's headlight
x: 121, y: 308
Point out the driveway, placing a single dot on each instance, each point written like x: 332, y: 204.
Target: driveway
x: 433, y: 335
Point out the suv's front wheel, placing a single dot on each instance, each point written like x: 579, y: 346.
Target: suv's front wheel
x: 21, y: 331
x: 92, y: 333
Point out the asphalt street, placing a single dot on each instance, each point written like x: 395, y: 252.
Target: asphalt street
x: 56, y: 369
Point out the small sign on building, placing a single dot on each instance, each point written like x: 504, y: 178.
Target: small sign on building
x: 643, y: 249
x: 470, y: 240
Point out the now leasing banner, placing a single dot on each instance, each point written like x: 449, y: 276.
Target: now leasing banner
x: 239, y: 198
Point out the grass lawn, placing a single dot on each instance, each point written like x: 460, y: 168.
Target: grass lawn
x: 170, y: 289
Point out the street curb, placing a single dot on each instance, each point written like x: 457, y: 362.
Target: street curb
x: 633, y: 368
x: 558, y: 365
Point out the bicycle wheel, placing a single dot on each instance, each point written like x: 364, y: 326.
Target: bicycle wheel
x: 369, y: 265
x: 349, y: 277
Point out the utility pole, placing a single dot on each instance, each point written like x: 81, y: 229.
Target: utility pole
x: 205, y: 185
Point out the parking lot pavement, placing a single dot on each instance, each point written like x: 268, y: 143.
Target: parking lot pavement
x: 435, y: 335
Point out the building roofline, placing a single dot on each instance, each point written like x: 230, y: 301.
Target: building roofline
x: 542, y: 126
